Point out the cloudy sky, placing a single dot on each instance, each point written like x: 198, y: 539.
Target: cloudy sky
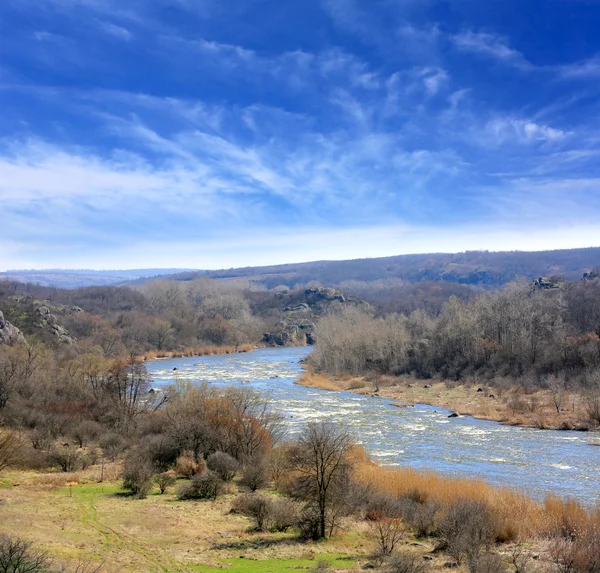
x: 212, y: 133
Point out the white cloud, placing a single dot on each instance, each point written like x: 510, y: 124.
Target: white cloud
x: 587, y: 69
x: 490, y: 45
x: 503, y: 130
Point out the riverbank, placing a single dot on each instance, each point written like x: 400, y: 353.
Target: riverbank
x: 198, y: 351
x: 540, y: 409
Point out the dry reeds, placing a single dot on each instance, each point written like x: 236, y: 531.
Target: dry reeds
x: 189, y: 352
x: 518, y: 515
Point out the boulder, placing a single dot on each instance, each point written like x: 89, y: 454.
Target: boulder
x: 453, y: 415
x: 9, y: 334
x: 62, y: 334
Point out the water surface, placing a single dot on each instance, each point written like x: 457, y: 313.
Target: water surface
x: 423, y: 437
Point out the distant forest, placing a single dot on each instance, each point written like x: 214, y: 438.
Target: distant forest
x: 475, y: 268
x: 479, y: 268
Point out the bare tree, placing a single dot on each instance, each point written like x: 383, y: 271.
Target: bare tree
x: 320, y: 457
x: 17, y: 556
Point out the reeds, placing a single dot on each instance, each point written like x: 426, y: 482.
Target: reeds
x: 520, y: 516
x: 209, y: 350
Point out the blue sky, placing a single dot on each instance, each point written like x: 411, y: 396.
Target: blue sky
x: 210, y: 134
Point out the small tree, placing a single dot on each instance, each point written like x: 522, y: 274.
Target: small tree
x: 320, y: 458
x: 165, y: 481
x: 67, y: 458
x: 387, y: 533
x: 138, y: 474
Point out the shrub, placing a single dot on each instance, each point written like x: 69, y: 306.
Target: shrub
x: 405, y: 563
x: 420, y: 516
x: 486, y: 563
x: 17, y: 556
x: 309, y: 523
x: 138, y: 474
x: 387, y: 533
x: 466, y: 527
x: 206, y: 486
x: 381, y: 505
x: 255, y: 506
x: 67, y: 458
x: 162, y: 451
x: 187, y: 467
x: 85, y: 431
x: 165, y: 481
x: 283, y: 514
x: 223, y: 465
x: 255, y: 475
x: 112, y: 445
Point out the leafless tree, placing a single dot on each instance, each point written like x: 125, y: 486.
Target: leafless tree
x: 320, y: 457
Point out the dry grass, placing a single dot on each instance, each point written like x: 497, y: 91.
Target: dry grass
x: 73, y: 517
x: 520, y: 517
x: 534, y: 410
x: 198, y: 351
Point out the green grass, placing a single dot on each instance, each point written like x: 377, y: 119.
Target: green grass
x: 245, y: 565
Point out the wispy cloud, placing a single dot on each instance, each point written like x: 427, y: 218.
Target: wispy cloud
x: 193, y: 131
x: 490, y: 45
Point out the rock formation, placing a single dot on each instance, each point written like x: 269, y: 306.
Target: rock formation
x: 9, y: 334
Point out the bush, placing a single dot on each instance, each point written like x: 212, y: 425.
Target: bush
x: 67, y: 458
x: 405, y: 563
x: 86, y: 431
x: 255, y: 506
x: 387, y: 532
x: 283, y: 514
x: 138, y: 474
x: 420, y: 516
x: 17, y: 556
x: 187, y: 467
x: 162, y: 450
x: 466, y: 527
x: 255, y: 475
x: 165, y: 481
x: 309, y: 523
x: 112, y: 445
x: 223, y: 465
x: 486, y: 563
x: 206, y: 486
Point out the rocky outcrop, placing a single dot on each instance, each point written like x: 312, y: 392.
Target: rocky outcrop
x: 49, y: 321
x: 303, y: 309
x: 9, y: 334
x: 544, y: 283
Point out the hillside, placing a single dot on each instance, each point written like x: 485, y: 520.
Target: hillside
x: 481, y: 268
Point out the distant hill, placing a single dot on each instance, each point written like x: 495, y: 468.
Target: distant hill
x: 480, y: 268
x: 70, y: 278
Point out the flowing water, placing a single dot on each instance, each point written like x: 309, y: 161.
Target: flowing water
x: 423, y: 437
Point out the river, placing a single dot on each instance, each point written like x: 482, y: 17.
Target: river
x: 536, y: 461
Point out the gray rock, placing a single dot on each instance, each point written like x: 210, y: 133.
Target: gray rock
x: 9, y: 334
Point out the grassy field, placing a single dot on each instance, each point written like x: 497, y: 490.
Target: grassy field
x: 94, y: 521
